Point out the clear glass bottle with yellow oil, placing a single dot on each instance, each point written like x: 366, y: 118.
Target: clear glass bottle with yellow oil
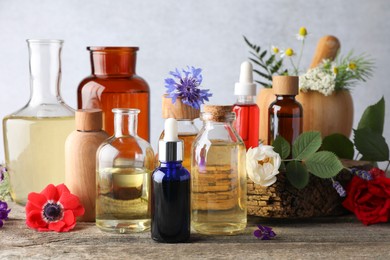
x: 218, y: 173
x: 124, y: 165
x: 34, y: 136
x: 185, y: 116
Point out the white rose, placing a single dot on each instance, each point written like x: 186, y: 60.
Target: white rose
x: 262, y: 165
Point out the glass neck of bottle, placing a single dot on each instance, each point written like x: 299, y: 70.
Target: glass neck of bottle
x: 45, y: 71
x: 125, y: 124
x: 174, y: 164
x: 113, y: 61
x: 285, y: 97
x: 245, y: 100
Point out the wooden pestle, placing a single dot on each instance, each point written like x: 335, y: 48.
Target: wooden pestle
x: 327, y: 48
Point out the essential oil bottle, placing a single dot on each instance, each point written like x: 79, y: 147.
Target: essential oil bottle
x: 218, y: 175
x: 285, y: 113
x: 246, y: 110
x: 171, y: 203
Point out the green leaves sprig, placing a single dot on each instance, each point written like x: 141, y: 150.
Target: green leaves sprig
x: 269, y: 64
x: 368, y: 138
x: 306, y: 158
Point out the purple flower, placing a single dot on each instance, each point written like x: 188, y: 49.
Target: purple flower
x: 340, y: 190
x: 3, y: 170
x: 3, y: 212
x: 264, y: 233
x: 187, y: 87
x: 365, y: 175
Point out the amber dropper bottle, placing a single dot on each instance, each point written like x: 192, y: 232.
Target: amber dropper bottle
x: 285, y: 113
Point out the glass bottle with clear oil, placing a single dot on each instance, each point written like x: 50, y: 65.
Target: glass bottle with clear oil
x: 187, y: 130
x: 34, y: 136
x: 218, y: 175
x: 124, y: 165
x: 285, y: 113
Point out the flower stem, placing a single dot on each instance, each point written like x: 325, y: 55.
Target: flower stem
x: 300, y: 56
x: 295, y: 68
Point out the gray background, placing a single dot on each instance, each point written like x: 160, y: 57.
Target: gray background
x: 206, y: 34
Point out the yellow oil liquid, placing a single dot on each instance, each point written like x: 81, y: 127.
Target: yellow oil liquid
x: 188, y: 140
x: 218, y: 197
x: 34, y: 153
x: 122, y: 203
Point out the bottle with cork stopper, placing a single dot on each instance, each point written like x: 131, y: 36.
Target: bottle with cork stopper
x: 218, y: 175
x: 285, y: 113
x: 80, y: 158
x: 185, y: 116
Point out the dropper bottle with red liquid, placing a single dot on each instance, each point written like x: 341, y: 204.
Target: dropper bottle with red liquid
x: 245, y: 108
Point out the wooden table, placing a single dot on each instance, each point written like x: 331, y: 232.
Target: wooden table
x: 327, y: 238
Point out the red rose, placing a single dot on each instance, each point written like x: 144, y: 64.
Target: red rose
x: 369, y: 200
x: 55, y: 208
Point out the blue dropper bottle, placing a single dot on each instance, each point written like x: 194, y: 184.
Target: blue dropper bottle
x: 171, y: 190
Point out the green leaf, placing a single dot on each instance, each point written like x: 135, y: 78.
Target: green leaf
x: 297, y: 174
x: 270, y: 60
x: 323, y: 164
x: 371, y: 145
x: 281, y: 146
x: 262, y: 74
x: 263, y: 55
x: 338, y: 144
x: 306, y: 144
x: 277, y: 66
x: 374, y: 117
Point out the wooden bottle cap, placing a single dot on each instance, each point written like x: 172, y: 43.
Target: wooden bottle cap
x: 327, y: 48
x: 89, y: 120
x: 285, y: 85
x: 179, y: 110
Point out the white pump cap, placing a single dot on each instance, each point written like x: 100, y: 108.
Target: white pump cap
x: 245, y: 87
x: 170, y: 149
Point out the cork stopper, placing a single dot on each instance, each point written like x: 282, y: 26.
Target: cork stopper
x: 285, y: 85
x: 219, y: 113
x: 179, y: 110
x: 89, y: 120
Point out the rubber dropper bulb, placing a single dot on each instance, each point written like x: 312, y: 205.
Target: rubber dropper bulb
x: 245, y: 86
x: 170, y: 130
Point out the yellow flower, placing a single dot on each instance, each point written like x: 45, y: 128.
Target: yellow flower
x: 288, y: 52
x: 352, y: 66
x: 302, y: 33
x: 335, y: 70
x: 275, y: 49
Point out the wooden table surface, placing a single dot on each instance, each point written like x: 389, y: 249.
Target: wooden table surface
x: 326, y: 238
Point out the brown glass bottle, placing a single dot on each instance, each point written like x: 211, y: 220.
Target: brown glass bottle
x: 114, y: 84
x: 285, y: 113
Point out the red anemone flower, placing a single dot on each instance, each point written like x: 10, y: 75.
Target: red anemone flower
x: 54, y: 209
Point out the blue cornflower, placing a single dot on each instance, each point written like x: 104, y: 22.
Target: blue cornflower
x: 340, y: 190
x: 264, y: 233
x: 187, y: 87
x: 3, y: 212
x: 365, y: 175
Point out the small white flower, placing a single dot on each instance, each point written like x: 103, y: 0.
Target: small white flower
x: 317, y: 79
x: 262, y: 165
x: 302, y: 34
x: 275, y: 49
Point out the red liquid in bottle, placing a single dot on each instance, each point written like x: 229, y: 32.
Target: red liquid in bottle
x: 247, y: 123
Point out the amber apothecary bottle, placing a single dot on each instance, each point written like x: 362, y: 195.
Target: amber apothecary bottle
x: 285, y: 113
x: 114, y: 83
x: 187, y: 130
x: 218, y: 188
